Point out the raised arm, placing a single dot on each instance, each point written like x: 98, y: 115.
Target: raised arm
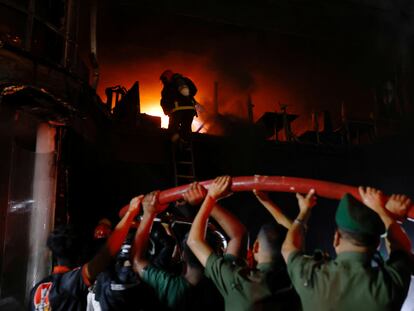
x: 233, y: 228
x: 151, y: 209
x: 396, y: 236
x: 196, y: 238
x: 114, y: 242
x: 296, y: 235
x: 273, y: 209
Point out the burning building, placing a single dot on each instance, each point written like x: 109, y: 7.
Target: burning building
x: 301, y: 88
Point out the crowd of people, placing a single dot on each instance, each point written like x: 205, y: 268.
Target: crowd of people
x: 144, y: 265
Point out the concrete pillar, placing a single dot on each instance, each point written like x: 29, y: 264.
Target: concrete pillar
x: 43, y: 213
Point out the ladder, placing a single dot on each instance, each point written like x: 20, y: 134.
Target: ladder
x: 183, y: 162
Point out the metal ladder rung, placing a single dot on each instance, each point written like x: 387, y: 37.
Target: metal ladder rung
x: 183, y: 162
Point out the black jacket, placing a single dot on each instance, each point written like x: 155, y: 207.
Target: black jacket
x: 171, y: 96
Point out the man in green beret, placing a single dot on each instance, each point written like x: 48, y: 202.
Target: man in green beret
x: 351, y: 282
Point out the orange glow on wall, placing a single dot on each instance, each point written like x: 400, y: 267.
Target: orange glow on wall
x: 156, y: 110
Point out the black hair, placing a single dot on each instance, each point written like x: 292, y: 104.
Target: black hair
x: 271, y: 236
x: 64, y: 242
x: 360, y: 239
x: 212, y: 239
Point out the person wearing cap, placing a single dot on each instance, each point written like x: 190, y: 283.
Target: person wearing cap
x: 265, y: 288
x: 178, y: 103
x: 350, y: 281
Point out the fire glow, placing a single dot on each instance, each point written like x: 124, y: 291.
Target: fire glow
x: 266, y: 69
x: 267, y: 91
x: 156, y: 110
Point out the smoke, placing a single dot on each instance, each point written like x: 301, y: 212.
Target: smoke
x: 273, y: 69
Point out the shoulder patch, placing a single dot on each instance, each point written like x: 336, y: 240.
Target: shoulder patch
x: 41, y: 297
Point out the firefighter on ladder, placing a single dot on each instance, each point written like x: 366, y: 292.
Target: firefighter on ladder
x: 178, y: 103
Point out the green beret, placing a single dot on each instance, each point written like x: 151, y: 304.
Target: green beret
x: 353, y: 216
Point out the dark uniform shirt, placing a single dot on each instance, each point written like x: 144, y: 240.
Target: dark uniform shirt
x: 64, y: 290
x: 121, y: 290
x: 246, y: 289
x: 175, y: 292
x: 350, y: 282
x: 171, y: 98
x: 168, y: 287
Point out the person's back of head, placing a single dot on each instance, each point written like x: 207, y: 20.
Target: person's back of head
x: 103, y: 229
x: 166, y: 76
x: 212, y: 238
x: 64, y: 242
x: 357, y: 224
x: 270, y: 239
x: 359, y: 239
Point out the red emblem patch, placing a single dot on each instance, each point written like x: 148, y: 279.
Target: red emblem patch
x: 41, y: 297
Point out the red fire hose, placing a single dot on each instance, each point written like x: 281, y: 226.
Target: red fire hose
x: 326, y: 189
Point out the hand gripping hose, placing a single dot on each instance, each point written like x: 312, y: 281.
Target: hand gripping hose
x: 326, y: 189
